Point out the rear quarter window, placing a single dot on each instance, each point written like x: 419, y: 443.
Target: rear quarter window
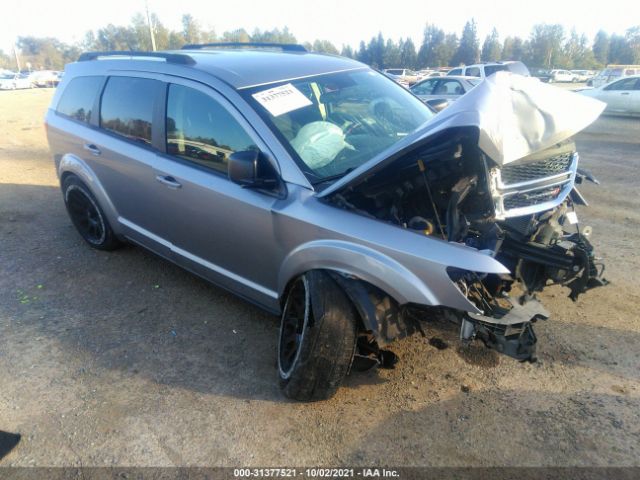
x: 491, y: 69
x: 473, y: 72
x: 127, y: 107
x: 79, y: 97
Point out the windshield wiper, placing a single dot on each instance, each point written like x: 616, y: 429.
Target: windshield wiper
x: 333, y: 177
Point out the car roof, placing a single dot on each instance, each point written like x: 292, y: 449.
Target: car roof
x: 453, y: 77
x: 239, y: 67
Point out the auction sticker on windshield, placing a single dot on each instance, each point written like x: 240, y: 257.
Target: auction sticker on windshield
x: 282, y: 99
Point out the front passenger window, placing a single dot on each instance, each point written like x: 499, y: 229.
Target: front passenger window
x: 201, y: 130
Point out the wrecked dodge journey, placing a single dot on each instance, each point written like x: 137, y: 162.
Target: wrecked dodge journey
x: 350, y: 208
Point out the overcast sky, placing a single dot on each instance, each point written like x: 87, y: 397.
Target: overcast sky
x: 340, y: 21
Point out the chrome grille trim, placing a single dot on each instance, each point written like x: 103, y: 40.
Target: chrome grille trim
x: 530, y: 194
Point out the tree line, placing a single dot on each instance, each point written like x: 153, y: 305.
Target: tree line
x: 547, y: 46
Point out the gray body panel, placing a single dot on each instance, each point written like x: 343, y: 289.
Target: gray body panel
x: 250, y: 242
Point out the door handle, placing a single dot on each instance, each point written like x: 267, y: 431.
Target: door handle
x: 624, y: 93
x: 168, y: 181
x: 90, y: 147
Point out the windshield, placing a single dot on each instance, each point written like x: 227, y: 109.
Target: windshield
x: 333, y: 123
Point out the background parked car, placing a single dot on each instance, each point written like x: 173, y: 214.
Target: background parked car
x: 450, y: 88
x: 14, y: 81
x: 482, y: 70
x: 558, y: 75
x: 422, y: 74
x: 621, y: 96
x: 583, y: 75
x: 613, y: 72
x: 402, y: 75
x: 541, y: 74
x: 44, y: 78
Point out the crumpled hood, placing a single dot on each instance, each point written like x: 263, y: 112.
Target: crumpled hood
x: 516, y: 116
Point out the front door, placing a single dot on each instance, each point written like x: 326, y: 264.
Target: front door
x: 218, y: 229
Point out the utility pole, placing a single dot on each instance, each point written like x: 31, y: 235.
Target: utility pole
x: 15, y: 52
x: 153, y: 38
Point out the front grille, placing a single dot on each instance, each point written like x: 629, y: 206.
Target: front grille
x: 520, y: 200
x: 530, y: 187
x: 534, y: 170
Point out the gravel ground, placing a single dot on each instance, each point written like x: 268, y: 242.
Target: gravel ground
x: 123, y: 359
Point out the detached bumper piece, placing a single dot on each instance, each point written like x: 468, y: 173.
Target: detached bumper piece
x: 508, y: 331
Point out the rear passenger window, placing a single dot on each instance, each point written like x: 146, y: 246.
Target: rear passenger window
x: 78, y: 98
x: 201, y: 130
x: 127, y: 107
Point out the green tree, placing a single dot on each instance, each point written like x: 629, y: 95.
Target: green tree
x: 513, y: 49
x: 363, y: 54
x: 430, y: 53
x: 6, y: 60
x: 601, y: 47
x: 45, y: 53
x: 347, y: 51
x: 448, y: 49
x: 491, y: 51
x: 633, y: 41
x: 324, y: 46
x: 545, y: 46
x: 239, y: 35
x: 273, y: 36
x: 577, y: 53
x: 114, y: 37
x: 191, y: 30
x: 468, y: 50
x: 375, y: 49
x: 408, y: 55
x: 391, y: 55
x: 619, y: 50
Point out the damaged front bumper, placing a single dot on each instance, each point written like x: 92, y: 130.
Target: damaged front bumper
x: 509, y: 332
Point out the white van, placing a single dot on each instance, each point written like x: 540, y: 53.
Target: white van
x: 482, y: 70
x: 613, y: 72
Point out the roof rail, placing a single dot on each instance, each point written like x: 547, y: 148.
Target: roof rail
x: 180, y: 58
x: 285, y: 47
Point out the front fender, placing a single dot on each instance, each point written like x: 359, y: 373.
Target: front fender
x: 373, y: 267
x: 71, y: 164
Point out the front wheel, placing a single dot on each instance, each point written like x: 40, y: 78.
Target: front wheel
x: 317, y: 338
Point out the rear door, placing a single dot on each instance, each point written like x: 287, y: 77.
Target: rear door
x: 124, y: 153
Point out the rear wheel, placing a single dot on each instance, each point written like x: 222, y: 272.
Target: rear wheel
x: 317, y: 338
x: 87, y: 216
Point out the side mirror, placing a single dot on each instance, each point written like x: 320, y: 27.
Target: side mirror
x: 439, y: 104
x: 251, y: 169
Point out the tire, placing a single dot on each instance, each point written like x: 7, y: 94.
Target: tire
x: 87, y: 215
x: 317, y: 338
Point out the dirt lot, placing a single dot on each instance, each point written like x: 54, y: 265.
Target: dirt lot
x: 122, y: 358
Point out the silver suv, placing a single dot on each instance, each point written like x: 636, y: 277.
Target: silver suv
x: 325, y: 193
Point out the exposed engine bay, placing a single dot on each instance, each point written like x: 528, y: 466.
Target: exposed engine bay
x: 522, y: 214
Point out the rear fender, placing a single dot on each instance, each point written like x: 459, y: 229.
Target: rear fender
x: 72, y: 165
